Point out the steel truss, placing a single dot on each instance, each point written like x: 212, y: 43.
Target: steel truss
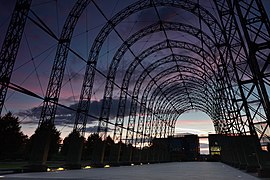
x: 230, y: 81
x: 138, y: 6
x: 131, y: 40
x: 130, y: 70
x: 155, y: 79
x: 58, y: 69
x: 11, y: 45
x: 155, y: 93
x: 88, y: 82
x: 244, y: 60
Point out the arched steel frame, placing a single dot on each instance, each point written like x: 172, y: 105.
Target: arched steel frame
x: 251, y: 53
x: 111, y: 24
x: 169, y: 81
x: 147, y: 108
x: 171, y: 96
x: 123, y: 96
x: 159, y: 103
x: 158, y: 131
x: 121, y: 103
x: 174, y: 94
x: 172, y: 91
x: 54, y: 86
x: 230, y: 92
x: 242, y: 62
x: 168, y: 112
x: 132, y: 116
x: 140, y: 5
x: 136, y: 90
x: 11, y: 45
x: 105, y: 111
x: 162, y: 86
x: 261, y: 47
x: 117, y: 57
x: 190, y: 85
x: 124, y: 88
x: 143, y: 113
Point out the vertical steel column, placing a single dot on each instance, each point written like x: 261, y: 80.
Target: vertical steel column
x: 256, y: 28
x: 251, y: 96
x: 54, y: 86
x: 11, y: 45
x: 228, y: 47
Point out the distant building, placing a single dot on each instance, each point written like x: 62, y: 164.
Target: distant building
x: 181, y: 148
x: 215, y: 146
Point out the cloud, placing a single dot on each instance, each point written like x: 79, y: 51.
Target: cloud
x: 66, y: 116
x: 92, y: 129
x: 187, y: 130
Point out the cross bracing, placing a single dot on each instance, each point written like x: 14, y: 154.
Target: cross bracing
x: 218, y: 64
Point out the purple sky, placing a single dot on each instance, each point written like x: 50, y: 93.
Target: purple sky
x: 37, y: 51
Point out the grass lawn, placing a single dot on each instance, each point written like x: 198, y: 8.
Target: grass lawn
x: 19, y: 165
x: 12, y: 165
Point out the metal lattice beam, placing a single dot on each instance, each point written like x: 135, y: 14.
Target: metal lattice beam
x: 11, y: 45
x: 138, y: 6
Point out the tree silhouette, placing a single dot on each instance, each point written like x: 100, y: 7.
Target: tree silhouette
x: 92, y: 140
x: 55, y: 139
x: 12, y: 140
x: 67, y: 142
x: 108, y: 146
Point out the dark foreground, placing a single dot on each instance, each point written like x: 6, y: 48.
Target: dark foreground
x: 167, y: 171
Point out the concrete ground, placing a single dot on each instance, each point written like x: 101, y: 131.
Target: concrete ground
x: 167, y: 171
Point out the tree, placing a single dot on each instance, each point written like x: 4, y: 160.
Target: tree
x: 55, y: 140
x: 109, y: 143
x: 67, y: 142
x: 12, y: 140
x: 92, y: 140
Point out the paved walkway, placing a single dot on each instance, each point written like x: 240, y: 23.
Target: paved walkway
x: 167, y: 171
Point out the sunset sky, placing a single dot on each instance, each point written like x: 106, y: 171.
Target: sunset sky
x: 37, y: 52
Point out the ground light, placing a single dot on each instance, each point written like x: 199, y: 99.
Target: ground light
x: 107, y: 166
x: 60, y: 169
x: 87, y: 167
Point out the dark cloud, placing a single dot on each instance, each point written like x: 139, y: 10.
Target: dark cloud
x: 69, y: 100
x: 66, y: 116
x: 91, y: 129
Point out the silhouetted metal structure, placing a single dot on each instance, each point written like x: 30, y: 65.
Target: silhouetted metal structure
x: 226, y: 75
x: 11, y: 45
